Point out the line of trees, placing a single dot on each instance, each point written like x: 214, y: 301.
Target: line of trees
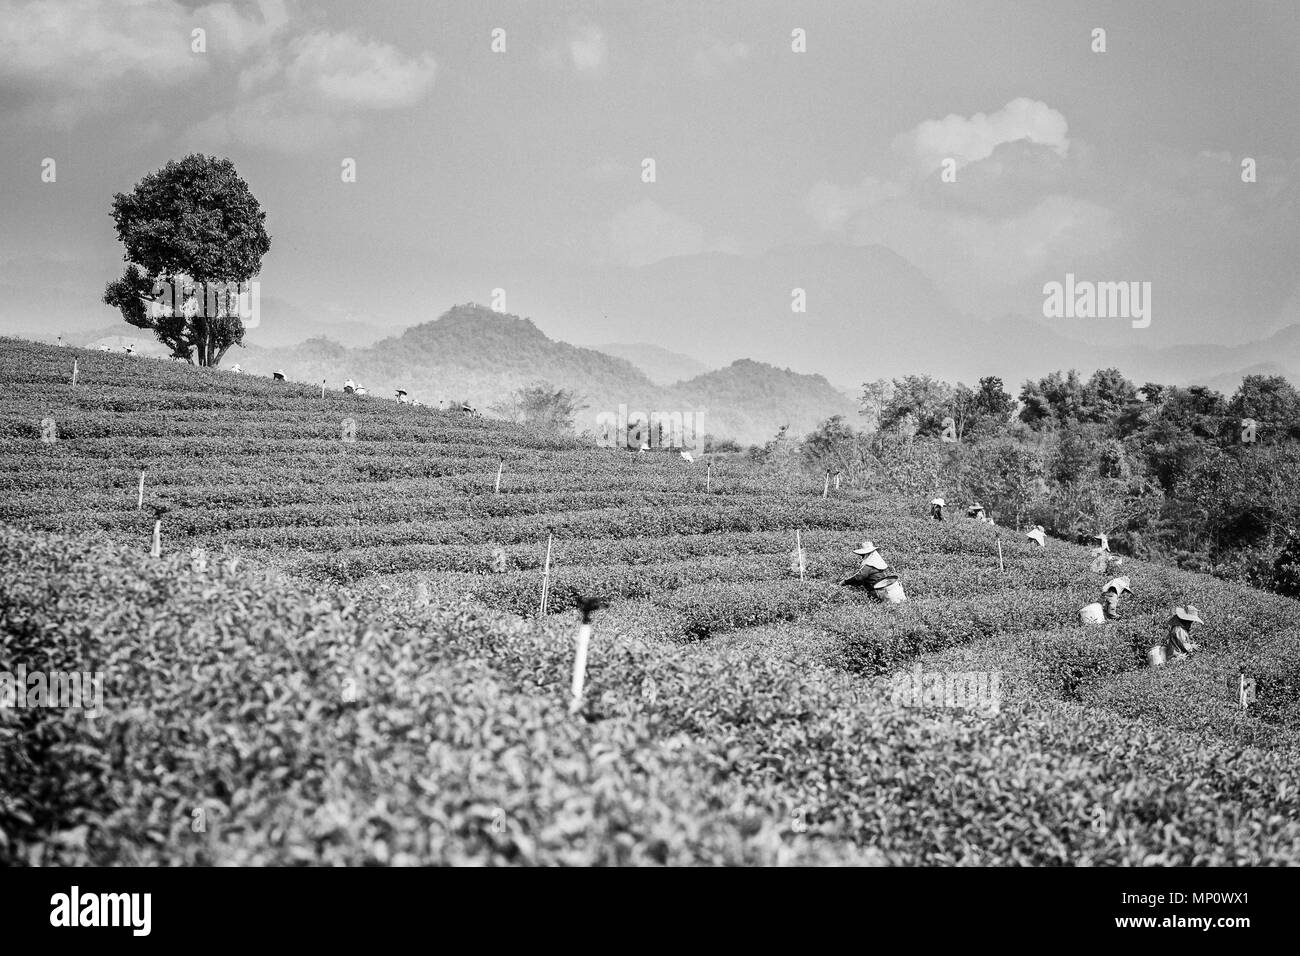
x: 1184, y: 475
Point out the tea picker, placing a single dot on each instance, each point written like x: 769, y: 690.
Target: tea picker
x: 1038, y: 536
x: 1106, y: 609
x: 349, y: 387
x: 1178, y: 639
x: 936, y: 509
x: 278, y: 375
x: 1103, y: 561
x: 1110, y: 596
x: 976, y: 511
x: 875, y: 577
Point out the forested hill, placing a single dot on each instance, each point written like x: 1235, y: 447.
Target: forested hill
x: 475, y: 353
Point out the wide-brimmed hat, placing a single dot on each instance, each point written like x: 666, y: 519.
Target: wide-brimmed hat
x: 236, y: 368
x: 866, y: 547
x: 1036, y: 535
x: 278, y: 373
x: 401, y: 391
x: 976, y: 507
x: 1188, y: 613
x: 937, y: 501
x: 1117, y: 585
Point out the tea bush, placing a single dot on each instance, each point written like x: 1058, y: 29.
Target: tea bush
x: 227, y: 701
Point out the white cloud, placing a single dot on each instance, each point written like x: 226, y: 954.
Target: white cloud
x: 973, y: 139
x: 975, y: 238
x: 67, y: 59
x: 237, y: 36
x: 61, y: 55
x: 317, y: 94
x: 349, y: 72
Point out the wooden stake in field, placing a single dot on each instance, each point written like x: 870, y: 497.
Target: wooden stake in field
x: 1245, y: 689
x: 546, y: 578
x: 156, y: 550
x: 798, y: 553
x: 1001, y: 566
x: 837, y: 481
x: 708, y: 480
x: 500, y: 465
x: 139, y: 495
x: 322, y: 388
x: 76, y: 371
x: 826, y: 488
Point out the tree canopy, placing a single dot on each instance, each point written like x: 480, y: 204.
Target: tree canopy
x: 191, y: 231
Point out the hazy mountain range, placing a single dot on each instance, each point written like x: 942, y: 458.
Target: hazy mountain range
x: 870, y: 314
x: 473, y: 353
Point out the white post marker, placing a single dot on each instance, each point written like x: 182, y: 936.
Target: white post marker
x: 546, y: 577
x: 500, y: 465
x: 1001, y: 566
x: 1246, y: 689
x: 587, y: 607
x: 580, y: 666
x: 322, y: 388
x: 798, y: 551
x: 139, y: 495
x: 76, y: 370
x: 837, y: 481
x: 156, y: 550
x: 708, y: 480
x: 826, y: 488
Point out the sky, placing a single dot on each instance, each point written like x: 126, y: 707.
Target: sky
x: 1123, y: 165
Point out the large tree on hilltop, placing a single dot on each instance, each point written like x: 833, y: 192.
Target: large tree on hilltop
x: 194, y: 227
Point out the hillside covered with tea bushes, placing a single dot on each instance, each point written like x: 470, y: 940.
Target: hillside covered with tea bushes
x: 735, y: 712
x: 227, y: 702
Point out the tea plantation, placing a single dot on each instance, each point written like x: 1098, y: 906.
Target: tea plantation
x: 337, y: 657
